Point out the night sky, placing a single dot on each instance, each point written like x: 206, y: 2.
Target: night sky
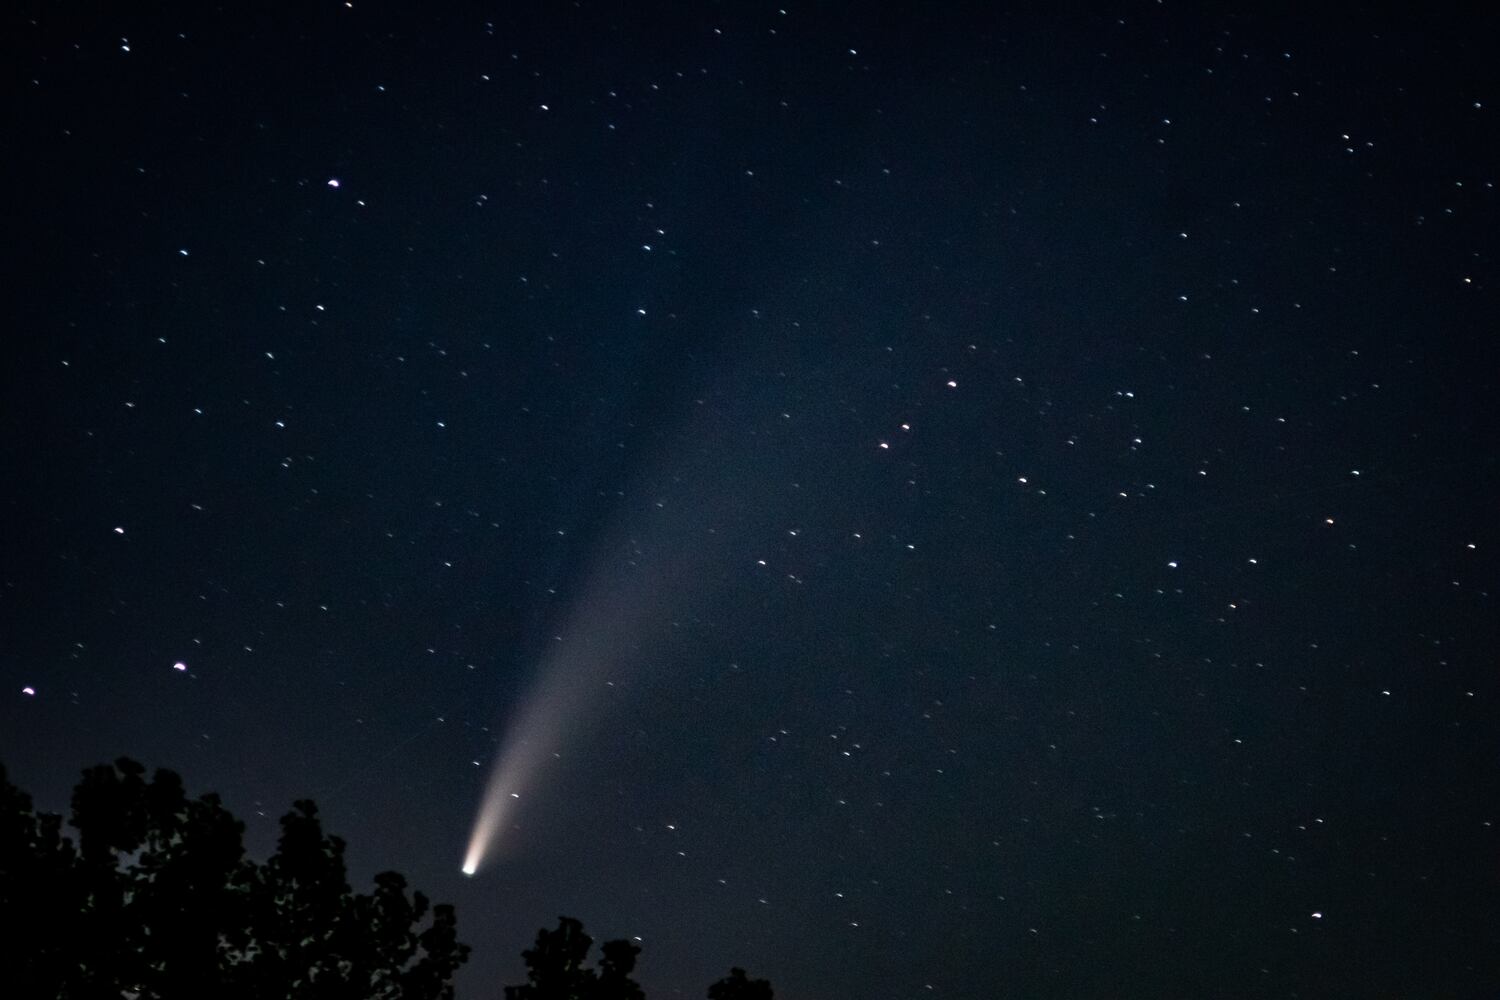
x: 915, y: 504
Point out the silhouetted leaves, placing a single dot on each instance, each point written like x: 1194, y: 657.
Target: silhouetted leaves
x: 554, y: 966
x: 736, y: 986
x: 158, y: 901
x: 555, y: 970
x: 40, y: 891
x: 616, y: 963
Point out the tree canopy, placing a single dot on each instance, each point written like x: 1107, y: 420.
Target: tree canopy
x: 156, y: 900
x: 738, y: 986
x: 556, y: 970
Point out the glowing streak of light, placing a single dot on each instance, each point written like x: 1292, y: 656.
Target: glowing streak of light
x: 570, y: 689
x: 647, y: 573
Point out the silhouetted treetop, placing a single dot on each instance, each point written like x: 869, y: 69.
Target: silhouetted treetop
x: 736, y: 986
x: 157, y: 900
x: 556, y: 970
x: 616, y: 963
x: 555, y: 967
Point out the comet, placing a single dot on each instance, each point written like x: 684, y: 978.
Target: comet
x: 553, y: 713
x: 704, y: 498
x: 623, y: 602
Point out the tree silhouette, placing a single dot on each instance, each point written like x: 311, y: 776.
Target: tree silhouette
x: 555, y: 970
x: 736, y: 986
x: 157, y: 900
x: 555, y: 967
x: 616, y: 963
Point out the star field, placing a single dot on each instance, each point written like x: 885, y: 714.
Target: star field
x: 942, y: 504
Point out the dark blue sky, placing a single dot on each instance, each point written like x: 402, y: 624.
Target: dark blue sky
x: 1011, y: 498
